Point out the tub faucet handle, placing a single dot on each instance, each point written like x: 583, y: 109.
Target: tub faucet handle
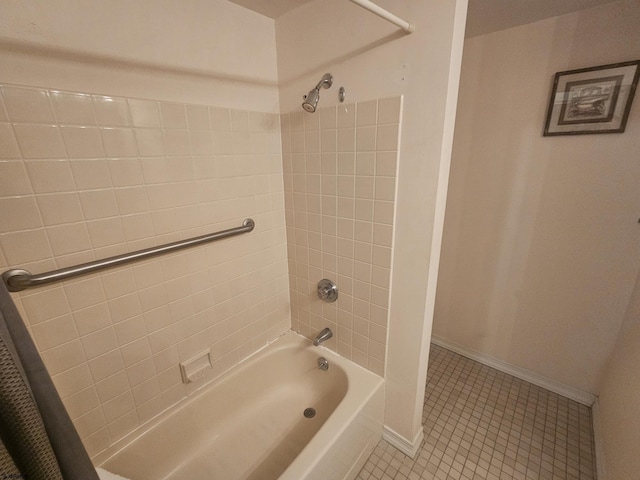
x: 323, y: 363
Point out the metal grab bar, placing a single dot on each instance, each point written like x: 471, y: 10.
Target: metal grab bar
x: 19, y: 279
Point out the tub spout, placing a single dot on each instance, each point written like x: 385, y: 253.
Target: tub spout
x: 323, y: 336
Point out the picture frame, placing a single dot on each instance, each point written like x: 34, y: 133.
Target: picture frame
x: 592, y: 100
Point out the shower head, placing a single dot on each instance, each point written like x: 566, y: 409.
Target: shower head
x: 311, y: 99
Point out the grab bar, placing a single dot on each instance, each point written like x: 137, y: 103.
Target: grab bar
x: 19, y: 279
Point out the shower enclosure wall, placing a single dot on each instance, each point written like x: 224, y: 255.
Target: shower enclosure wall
x: 89, y: 176
x: 340, y: 177
x: 170, y: 130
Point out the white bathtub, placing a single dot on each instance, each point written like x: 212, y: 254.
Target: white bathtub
x: 249, y: 424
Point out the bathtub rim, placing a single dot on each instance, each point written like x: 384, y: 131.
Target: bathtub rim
x: 350, y: 368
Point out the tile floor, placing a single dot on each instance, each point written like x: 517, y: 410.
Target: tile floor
x: 484, y: 424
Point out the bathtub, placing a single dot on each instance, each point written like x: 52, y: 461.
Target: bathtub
x: 250, y: 425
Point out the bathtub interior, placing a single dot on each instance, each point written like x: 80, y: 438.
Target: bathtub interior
x: 249, y: 424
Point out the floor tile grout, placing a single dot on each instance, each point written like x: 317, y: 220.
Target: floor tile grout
x: 481, y: 423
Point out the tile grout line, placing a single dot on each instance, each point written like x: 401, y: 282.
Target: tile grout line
x: 481, y: 423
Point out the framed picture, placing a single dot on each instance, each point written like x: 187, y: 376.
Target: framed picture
x: 592, y: 100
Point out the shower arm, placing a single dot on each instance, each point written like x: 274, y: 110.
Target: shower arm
x: 325, y: 82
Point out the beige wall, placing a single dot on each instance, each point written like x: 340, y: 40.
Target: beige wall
x: 373, y: 59
x: 541, y: 246
x: 151, y: 127
x: 194, y: 51
x: 619, y: 401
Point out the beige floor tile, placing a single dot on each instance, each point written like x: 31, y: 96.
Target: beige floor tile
x: 484, y: 424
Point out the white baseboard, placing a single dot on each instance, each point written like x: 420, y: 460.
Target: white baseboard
x: 601, y: 465
x: 407, y: 447
x: 579, y: 396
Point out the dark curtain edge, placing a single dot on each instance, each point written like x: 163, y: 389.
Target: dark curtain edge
x: 72, y: 456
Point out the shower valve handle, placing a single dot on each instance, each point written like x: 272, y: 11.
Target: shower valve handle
x: 327, y: 290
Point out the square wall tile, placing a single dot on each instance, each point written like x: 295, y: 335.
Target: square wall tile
x: 25, y: 246
x: 8, y: 145
x: 173, y: 115
x: 126, y: 172
x: 45, y: 304
x: 68, y: 238
x: 111, y: 111
x: 55, y: 332
x: 366, y: 113
x: 346, y: 140
x: 86, y: 175
x: 19, y: 213
x: 366, y: 139
x: 98, y: 204
x: 387, y: 138
x: 82, y: 142
x: 28, y: 105
x: 389, y: 110
x: 40, y: 141
x: 198, y: 117
x: 59, y: 208
x: 3, y: 112
x: 99, y: 343
x: 119, y: 142
x: 106, y: 232
x: 50, y: 176
x: 72, y: 380
x: 220, y: 119
x: 176, y: 142
x: 149, y: 141
x: 328, y: 118
x: 63, y: 357
x: 239, y: 121
x: 91, y: 319
x: 91, y: 174
x: 346, y: 115
x: 386, y: 164
x: 131, y: 200
x: 144, y: 113
x: 72, y: 108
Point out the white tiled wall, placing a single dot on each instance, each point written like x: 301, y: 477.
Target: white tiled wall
x: 86, y: 176
x: 340, y: 179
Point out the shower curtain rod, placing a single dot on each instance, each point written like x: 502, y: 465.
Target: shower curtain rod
x: 388, y: 16
x: 19, y: 279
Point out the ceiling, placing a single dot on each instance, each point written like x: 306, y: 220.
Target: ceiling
x: 485, y: 16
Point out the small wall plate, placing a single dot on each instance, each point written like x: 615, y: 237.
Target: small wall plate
x: 196, y: 367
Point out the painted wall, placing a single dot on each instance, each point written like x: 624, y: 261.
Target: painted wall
x: 541, y: 247
x: 193, y: 51
x: 373, y: 60
x: 619, y: 401
x: 145, y: 132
